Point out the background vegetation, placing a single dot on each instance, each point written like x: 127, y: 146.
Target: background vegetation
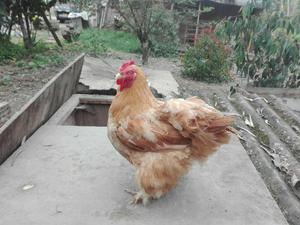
x: 264, y: 39
x: 96, y: 42
x: 266, y: 45
x: 207, y: 61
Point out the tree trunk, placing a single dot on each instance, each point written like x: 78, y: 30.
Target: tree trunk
x: 50, y: 28
x: 12, y: 19
x: 26, y: 38
x: 145, y: 51
x: 80, y: 5
x: 105, y: 15
x: 172, y: 6
x: 197, y: 24
x: 98, y: 14
x: 28, y: 26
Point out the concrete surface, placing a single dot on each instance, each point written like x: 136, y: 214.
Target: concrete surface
x: 72, y: 176
x: 292, y: 103
x: 162, y: 81
x: 5, y: 112
x: 98, y: 74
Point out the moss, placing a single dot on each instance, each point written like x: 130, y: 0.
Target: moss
x: 284, y: 116
x: 262, y: 137
x: 219, y: 106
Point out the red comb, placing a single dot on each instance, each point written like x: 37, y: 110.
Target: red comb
x: 125, y: 65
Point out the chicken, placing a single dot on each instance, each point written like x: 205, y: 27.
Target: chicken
x: 161, y: 139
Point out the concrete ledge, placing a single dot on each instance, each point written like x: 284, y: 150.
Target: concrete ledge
x: 4, y: 112
x: 281, y: 92
x: 40, y: 108
x: 65, y: 111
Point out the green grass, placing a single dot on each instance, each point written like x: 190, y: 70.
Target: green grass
x: 41, y: 55
x: 91, y: 41
x: 10, y: 51
x: 97, y: 42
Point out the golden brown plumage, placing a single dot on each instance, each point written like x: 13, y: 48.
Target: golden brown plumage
x: 161, y: 139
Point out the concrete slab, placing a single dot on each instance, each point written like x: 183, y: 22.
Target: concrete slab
x: 72, y: 175
x: 162, y: 81
x: 98, y: 74
x: 293, y: 103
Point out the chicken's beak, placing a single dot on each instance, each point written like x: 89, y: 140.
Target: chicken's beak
x: 118, y: 76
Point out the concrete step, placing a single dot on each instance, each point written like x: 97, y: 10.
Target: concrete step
x: 98, y: 76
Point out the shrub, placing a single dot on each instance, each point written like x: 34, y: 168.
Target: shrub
x: 10, y: 51
x: 41, y: 55
x: 164, y: 39
x: 266, y: 46
x: 206, y: 61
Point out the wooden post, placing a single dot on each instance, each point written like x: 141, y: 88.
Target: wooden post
x: 105, y: 14
x: 98, y: 14
x: 102, y: 17
x: 198, y: 21
x: 172, y: 6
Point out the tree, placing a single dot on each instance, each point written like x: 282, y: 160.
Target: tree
x: 266, y: 46
x: 139, y: 17
x: 21, y: 12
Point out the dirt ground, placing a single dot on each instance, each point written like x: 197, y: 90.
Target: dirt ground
x: 20, y: 84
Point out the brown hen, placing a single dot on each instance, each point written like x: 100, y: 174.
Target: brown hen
x: 161, y: 139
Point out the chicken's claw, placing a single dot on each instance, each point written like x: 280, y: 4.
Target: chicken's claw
x: 130, y: 192
x: 138, y: 197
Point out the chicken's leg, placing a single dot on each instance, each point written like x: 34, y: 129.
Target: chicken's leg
x: 139, y: 197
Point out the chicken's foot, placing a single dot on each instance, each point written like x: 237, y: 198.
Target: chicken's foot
x: 138, y: 197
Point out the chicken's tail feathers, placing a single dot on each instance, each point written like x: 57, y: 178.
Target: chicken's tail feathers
x: 217, y: 133
x: 232, y: 130
x: 221, y: 124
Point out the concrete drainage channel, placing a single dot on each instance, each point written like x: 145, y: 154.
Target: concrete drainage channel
x: 269, y: 132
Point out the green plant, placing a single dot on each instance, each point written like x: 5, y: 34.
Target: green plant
x: 206, y: 61
x: 5, y: 80
x: 21, y: 12
x: 164, y: 39
x: 266, y: 46
x: 139, y: 16
x: 96, y: 42
x: 41, y: 55
x: 10, y: 51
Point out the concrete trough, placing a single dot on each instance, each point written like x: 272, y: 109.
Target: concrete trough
x: 83, y: 110
x: 40, y: 108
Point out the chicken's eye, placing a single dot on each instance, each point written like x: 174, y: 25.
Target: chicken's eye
x: 130, y: 73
